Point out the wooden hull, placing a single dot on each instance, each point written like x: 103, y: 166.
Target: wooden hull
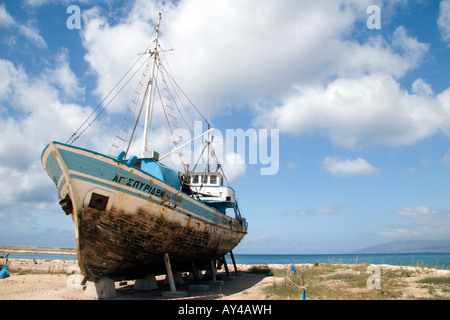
x: 126, y: 220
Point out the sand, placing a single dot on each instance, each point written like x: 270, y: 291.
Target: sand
x: 48, y: 280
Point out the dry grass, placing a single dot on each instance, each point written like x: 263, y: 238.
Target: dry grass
x: 349, y: 282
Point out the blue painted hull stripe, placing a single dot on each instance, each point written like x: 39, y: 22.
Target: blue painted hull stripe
x: 100, y: 168
x: 53, y: 168
x: 96, y: 182
x: 61, y: 185
x: 90, y: 167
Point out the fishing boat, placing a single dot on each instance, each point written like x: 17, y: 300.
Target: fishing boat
x: 130, y: 212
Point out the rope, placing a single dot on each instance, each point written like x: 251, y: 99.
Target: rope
x: 302, y: 288
x: 197, y: 297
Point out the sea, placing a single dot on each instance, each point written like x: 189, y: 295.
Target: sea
x: 430, y: 260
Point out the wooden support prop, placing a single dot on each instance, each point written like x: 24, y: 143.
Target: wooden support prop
x: 213, y: 271
x: 195, y: 273
x: 234, y: 262
x: 226, y: 266
x: 169, y: 273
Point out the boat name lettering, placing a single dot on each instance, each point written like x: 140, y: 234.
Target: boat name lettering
x: 139, y: 185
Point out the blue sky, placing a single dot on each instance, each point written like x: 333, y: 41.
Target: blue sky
x: 363, y: 114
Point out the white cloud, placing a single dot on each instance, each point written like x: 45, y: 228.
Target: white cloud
x: 446, y: 159
x: 234, y: 167
x: 5, y: 18
x: 25, y: 29
x: 343, y: 168
x: 301, y: 45
x: 32, y: 34
x: 112, y: 49
x: 9, y: 77
x: 369, y: 110
x: 287, y: 43
x: 222, y: 57
x: 322, y: 211
x: 296, y: 52
x: 421, y: 215
x: 288, y: 52
x: 421, y: 223
x: 63, y: 78
x: 444, y: 20
x: 32, y: 116
x: 412, y: 51
x: 37, y: 3
x: 421, y: 88
x: 25, y: 185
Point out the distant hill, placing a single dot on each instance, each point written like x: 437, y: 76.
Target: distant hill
x: 413, y: 246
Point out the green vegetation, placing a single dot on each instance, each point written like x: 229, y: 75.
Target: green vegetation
x: 437, y: 286
x: 350, y: 282
x: 261, y: 269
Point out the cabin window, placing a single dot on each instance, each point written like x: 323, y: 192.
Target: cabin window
x: 221, y: 181
x: 205, y: 179
x: 98, y: 202
x: 195, y: 179
x: 213, y: 180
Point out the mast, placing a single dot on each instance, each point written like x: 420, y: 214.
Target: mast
x: 150, y: 93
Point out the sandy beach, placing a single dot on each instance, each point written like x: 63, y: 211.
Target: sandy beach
x: 49, y: 280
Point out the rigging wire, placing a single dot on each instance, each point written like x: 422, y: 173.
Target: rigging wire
x: 181, y: 96
x: 75, y: 135
x: 183, y: 104
x: 171, y: 129
x: 100, y: 113
x: 154, y: 82
x: 137, y: 120
x: 169, y: 73
x: 178, y: 96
